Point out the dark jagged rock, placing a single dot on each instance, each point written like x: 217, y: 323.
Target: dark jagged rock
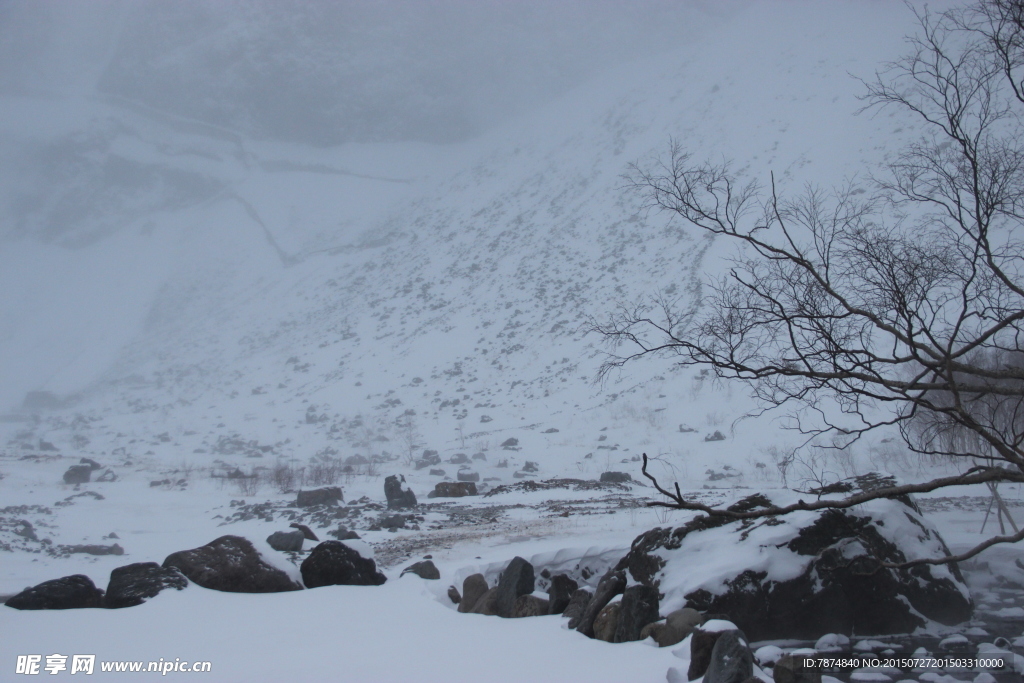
x: 639, y: 608
x: 68, y: 592
x: 467, y: 475
x: 328, y: 495
x: 399, y: 497
x: 286, y: 541
x: 231, y: 564
x: 453, y: 595
x: 453, y: 489
x: 607, y: 621
x: 578, y: 602
x: 702, y: 645
x: 474, y: 586
x: 332, y: 563
x: 424, y: 569
x: 611, y: 584
x: 307, y: 533
x: 133, y: 584
x: 616, y: 477
x: 731, y: 660
x: 78, y: 474
x: 560, y: 592
x: 93, y: 465
x: 516, y: 580
x: 487, y: 604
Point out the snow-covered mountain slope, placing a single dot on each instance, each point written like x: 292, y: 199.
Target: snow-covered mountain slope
x: 194, y: 297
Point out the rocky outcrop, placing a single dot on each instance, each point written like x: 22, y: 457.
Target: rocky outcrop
x: 332, y: 563
x: 133, y: 584
x: 68, y: 592
x: 231, y: 564
x: 824, y: 578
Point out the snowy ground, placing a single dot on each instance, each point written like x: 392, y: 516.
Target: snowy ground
x: 308, y: 310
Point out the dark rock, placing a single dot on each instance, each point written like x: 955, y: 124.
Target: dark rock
x: 332, y: 563
x: 231, y: 564
x: 487, y: 604
x: 674, y: 629
x: 69, y: 592
x: 453, y: 595
x: 717, y: 436
x: 560, y: 592
x: 466, y: 475
x: 306, y: 532
x: 841, y: 588
x: 474, y: 586
x: 392, y: 522
x: 459, y: 459
x: 133, y: 584
x: 328, y: 495
x: 639, y: 608
x: 607, y: 621
x: 78, y: 474
x: 790, y: 669
x: 578, y: 602
x: 530, y: 466
x: 529, y: 606
x: 159, y: 482
x: 731, y: 659
x: 516, y: 580
x: 424, y: 569
x: 453, y: 489
x: 93, y: 465
x: 286, y: 541
x: 616, y: 477
x: 611, y: 584
x: 438, y: 473
x: 480, y: 456
x: 702, y: 645
x: 399, y: 497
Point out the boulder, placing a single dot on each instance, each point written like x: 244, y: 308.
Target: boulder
x: 529, y: 606
x: 474, y: 586
x: 702, y: 645
x: 560, y: 592
x: 731, y: 659
x: 453, y: 595
x: 468, y: 475
x: 516, y: 580
x: 133, y: 584
x: 453, y: 489
x: 790, y: 669
x: 639, y: 608
x: 93, y: 465
x: 825, y: 578
x: 231, y: 564
x: 286, y: 541
x: 607, y: 622
x: 328, y: 495
x: 487, y: 604
x: 610, y: 585
x: 392, y: 522
x: 68, y: 592
x: 438, y: 472
x: 616, y: 477
x: 332, y: 563
x: 78, y: 474
x: 424, y: 569
x: 399, y: 497
x: 578, y: 602
x: 674, y: 629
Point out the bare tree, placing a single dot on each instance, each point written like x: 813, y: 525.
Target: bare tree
x: 899, y: 308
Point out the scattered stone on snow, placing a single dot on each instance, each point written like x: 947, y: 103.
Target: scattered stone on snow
x: 328, y: 495
x: 473, y: 587
x: 615, y: 477
x: 425, y: 569
x: 453, y: 489
x: 231, y: 564
x: 93, y: 549
x: 133, y: 584
x: 68, y: 592
x: 332, y: 563
x: 286, y: 541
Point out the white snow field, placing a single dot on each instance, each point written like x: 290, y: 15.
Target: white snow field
x: 197, y: 302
